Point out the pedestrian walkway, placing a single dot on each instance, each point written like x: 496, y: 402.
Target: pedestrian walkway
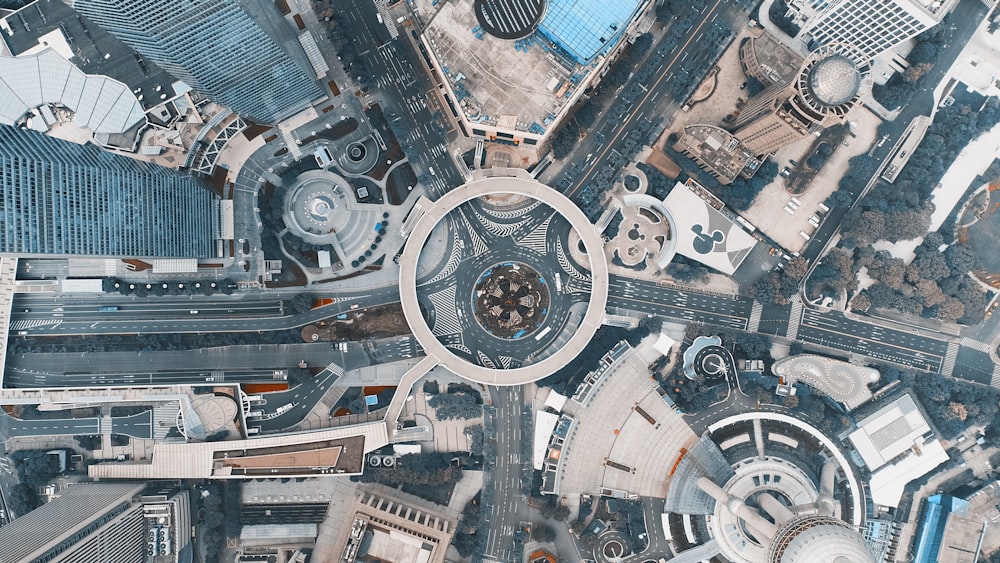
x: 948, y: 364
x: 794, y: 318
x: 754, y: 322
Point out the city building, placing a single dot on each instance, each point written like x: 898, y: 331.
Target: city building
x: 874, y: 26
x: 718, y: 152
x: 111, y: 523
x: 827, y: 87
x: 61, y: 198
x: 704, y: 233
x: 510, y: 70
x: 767, y: 60
x: 218, y: 48
x: 387, y: 528
x: 898, y: 446
x: 746, y: 492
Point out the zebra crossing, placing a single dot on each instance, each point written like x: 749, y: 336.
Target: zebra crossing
x: 508, y: 214
x: 948, y: 364
x: 753, y: 323
x: 794, y: 318
x: 25, y: 324
x: 453, y: 260
x: 501, y: 230
x: 165, y: 418
x: 291, y: 143
x: 536, y: 239
x: 565, y: 264
x: 383, y: 9
x: 445, y: 315
x: 976, y: 345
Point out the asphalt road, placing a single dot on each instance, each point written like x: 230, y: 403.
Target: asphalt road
x: 600, y: 147
x: 504, y: 477
x: 834, y: 330
x: 172, y: 314
x: 403, y: 93
x: 665, y: 301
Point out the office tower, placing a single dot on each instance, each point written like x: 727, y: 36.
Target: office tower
x: 824, y: 91
x: 62, y: 198
x: 217, y: 48
x: 875, y: 26
x: 109, y: 523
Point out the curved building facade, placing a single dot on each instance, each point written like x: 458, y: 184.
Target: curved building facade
x: 827, y: 87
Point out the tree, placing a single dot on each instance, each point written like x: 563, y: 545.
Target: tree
x: 961, y: 259
x: 455, y: 406
x: 23, y: 499
x: 917, y: 71
x: 542, y: 532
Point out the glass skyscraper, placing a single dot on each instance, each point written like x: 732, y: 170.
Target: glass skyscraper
x: 217, y: 48
x: 61, y: 198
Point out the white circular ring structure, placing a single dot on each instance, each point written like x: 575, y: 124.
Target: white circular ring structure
x: 433, y: 213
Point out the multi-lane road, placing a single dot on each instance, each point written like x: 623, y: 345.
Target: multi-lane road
x: 504, y: 477
x: 653, y: 298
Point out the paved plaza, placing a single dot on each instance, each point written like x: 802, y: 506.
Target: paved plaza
x: 624, y: 438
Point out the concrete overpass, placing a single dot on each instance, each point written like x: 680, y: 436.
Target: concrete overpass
x: 430, y: 214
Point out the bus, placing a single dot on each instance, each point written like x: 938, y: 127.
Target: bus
x: 108, y: 309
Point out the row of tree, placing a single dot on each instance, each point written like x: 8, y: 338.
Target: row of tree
x: 898, y: 90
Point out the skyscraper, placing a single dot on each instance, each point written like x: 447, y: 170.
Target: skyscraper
x: 217, y: 48
x: 62, y: 198
x: 874, y: 26
x: 110, y: 523
x: 826, y: 88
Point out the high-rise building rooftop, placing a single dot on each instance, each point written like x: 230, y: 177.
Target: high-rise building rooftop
x: 217, y: 48
x: 58, y: 197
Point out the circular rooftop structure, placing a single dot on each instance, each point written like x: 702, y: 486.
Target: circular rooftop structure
x: 819, y: 539
x: 489, y: 286
x: 834, y: 80
x: 509, y: 19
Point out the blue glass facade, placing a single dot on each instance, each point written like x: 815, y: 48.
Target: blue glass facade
x: 587, y: 28
x: 61, y: 198
x: 217, y: 48
x: 932, y: 526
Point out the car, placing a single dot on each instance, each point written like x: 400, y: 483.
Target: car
x: 355, y: 306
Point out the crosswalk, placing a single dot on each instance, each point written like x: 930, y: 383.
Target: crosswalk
x: 383, y: 9
x: 794, y: 318
x: 290, y: 142
x: 445, y: 316
x: 753, y: 323
x: 976, y: 345
x: 536, y: 239
x: 25, y: 324
x: 165, y: 418
x: 948, y: 364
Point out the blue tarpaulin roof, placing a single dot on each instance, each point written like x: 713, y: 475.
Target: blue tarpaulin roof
x: 586, y: 28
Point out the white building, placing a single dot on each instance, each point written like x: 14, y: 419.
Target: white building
x: 875, y: 26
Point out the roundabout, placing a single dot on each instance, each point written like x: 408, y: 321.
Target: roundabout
x: 488, y: 286
x: 511, y: 300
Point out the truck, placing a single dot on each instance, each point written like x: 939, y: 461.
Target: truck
x: 108, y: 308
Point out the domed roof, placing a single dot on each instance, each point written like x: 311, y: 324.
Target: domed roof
x: 834, y: 80
x: 827, y: 543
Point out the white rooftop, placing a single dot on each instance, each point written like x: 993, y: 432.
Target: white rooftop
x: 545, y: 423
x: 706, y: 235
x: 100, y: 104
x: 887, y: 483
x: 555, y: 400
x: 663, y: 344
x: 889, y: 432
